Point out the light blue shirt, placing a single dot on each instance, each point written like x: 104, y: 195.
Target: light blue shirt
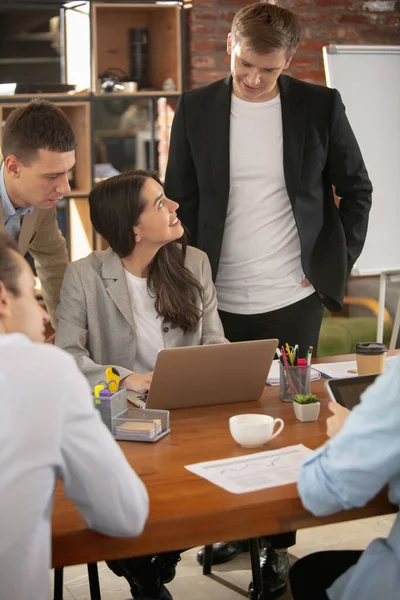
x: 349, y: 471
x: 12, y: 216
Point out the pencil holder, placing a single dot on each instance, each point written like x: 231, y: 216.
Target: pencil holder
x: 293, y: 381
x: 111, y: 406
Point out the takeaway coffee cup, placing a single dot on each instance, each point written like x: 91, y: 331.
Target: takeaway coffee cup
x: 370, y: 358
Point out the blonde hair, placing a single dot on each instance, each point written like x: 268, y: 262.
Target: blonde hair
x: 265, y: 27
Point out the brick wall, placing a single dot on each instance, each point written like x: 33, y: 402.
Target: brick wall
x: 322, y: 21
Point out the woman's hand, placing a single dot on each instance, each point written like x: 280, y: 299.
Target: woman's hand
x: 335, y: 423
x: 138, y: 382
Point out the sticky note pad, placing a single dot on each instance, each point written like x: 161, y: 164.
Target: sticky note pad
x: 139, y: 430
x: 137, y: 426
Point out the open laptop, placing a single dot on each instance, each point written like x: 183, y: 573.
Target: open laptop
x: 347, y: 391
x: 209, y: 374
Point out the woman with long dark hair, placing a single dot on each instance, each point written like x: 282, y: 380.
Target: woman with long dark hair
x: 119, y: 307
x: 148, y: 291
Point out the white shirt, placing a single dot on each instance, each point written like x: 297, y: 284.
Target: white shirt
x: 260, y: 264
x: 148, y: 324
x: 49, y: 428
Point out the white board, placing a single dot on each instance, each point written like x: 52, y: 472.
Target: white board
x: 368, y: 79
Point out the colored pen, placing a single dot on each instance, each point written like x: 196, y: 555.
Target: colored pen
x: 295, y: 354
x: 97, y: 389
x: 289, y: 354
x: 284, y: 358
x: 309, y: 355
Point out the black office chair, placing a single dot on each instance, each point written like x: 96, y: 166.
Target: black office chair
x: 255, y: 565
x: 94, y: 584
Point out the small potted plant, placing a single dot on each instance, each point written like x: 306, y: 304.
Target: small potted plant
x: 306, y: 407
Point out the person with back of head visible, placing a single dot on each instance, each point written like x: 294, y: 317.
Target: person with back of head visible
x: 49, y: 430
x: 252, y: 161
x: 38, y: 150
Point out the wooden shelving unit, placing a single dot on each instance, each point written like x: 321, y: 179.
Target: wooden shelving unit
x: 111, y: 24
x: 99, y: 41
x: 27, y: 47
x: 142, y: 94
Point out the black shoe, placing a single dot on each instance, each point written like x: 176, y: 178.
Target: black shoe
x: 224, y: 552
x: 166, y: 564
x: 146, y: 574
x: 275, y: 574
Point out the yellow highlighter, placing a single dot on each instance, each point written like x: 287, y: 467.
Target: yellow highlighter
x: 113, y: 378
x: 289, y: 354
x: 97, y: 389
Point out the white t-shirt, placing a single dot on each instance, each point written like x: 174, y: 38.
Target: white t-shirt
x: 50, y: 429
x: 147, y: 322
x: 260, y: 264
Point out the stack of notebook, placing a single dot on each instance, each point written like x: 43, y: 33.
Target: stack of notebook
x: 139, y: 430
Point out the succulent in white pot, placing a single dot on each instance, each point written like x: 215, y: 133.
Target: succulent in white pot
x: 306, y: 407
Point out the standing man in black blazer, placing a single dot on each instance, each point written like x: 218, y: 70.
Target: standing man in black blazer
x: 252, y: 162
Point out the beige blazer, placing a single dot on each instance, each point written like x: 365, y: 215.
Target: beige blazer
x: 41, y: 236
x: 95, y: 320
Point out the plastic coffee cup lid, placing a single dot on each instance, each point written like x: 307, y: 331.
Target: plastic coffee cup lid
x: 370, y: 348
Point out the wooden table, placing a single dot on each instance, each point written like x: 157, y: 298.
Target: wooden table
x: 186, y: 510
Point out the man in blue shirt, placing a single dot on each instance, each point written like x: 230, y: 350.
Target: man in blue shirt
x: 362, y: 456
x: 38, y: 149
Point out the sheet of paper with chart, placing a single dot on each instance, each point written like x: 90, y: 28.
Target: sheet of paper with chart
x: 255, y: 471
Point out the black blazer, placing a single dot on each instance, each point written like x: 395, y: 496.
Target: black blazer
x: 319, y: 150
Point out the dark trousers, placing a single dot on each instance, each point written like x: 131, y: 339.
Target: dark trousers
x: 312, y: 575
x: 298, y: 323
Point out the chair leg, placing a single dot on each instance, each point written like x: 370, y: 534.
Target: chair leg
x: 396, y: 328
x: 256, y: 569
x: 207, y: 560
x: 58, y: 583
x: 94, y: 583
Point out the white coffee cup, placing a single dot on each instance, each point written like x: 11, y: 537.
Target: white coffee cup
x: 252, y: 431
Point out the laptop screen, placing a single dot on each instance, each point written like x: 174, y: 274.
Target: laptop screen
x: 347, y: 392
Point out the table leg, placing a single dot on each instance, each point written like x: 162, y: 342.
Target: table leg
x: 256, y: 569
x: 58, y: 583
x: 94, y: 583
x: 207, y: 560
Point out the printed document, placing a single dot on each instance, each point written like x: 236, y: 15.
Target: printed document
x: 255, y: 471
